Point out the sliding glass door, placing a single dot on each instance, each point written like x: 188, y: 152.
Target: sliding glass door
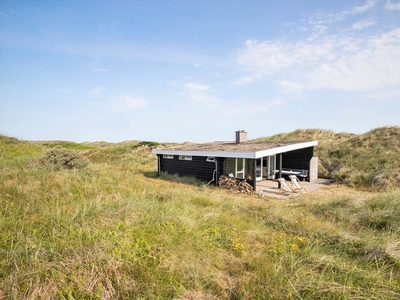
x: 259, y: 169
x: 271, y: 166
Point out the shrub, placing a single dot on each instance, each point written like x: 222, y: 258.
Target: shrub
x: 146, y: 144
x: 61, y: 158
x: 390, y: 178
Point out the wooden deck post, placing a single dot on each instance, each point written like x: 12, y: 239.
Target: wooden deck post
x: 216, y: 172
x: 254, y: 174
x: 280, y: 169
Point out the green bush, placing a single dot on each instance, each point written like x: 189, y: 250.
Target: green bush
x: 61, y: 158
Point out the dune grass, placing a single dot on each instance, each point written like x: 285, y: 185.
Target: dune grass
x: 117, y: 230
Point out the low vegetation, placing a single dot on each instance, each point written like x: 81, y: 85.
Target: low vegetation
x: 116, y: 230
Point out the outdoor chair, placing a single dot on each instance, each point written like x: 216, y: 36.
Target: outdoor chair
x: 296, y: 185
x: 285, y: 188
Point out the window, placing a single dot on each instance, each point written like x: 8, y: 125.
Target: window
x: 211, y: 159
x: 185, y: 157
x: 169, y: 156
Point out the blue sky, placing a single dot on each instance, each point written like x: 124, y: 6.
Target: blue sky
x: 175, y: 71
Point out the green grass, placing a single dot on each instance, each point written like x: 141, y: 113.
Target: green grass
x: 116, y: 230
x: 12, y: 150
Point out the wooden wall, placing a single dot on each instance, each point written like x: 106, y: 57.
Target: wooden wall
x: 296, y: 159
x: 198, y: 167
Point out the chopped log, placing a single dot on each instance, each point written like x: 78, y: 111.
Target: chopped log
x: 233, y: 184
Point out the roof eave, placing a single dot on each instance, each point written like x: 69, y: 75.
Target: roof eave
x: 284, y: 149
x: 230, y: 154
x: 238, y: 154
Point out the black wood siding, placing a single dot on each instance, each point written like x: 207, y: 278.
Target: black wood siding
x: 230, y: 165
x: 221, y: 167
x: 297, y: 159
x: 198, y: 167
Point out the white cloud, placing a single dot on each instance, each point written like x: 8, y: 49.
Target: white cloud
x: 384, y: 95
x: 392, y: 6
x: 197, y: 87
x: 126, y: 102
x: 216, y: 74
x: 290, y: 86
x: 99, y: 70
x: 270, y: 57
x: 173, y: 82
x: 247, y: 108
x: 245, y: 79
x: 324, y: 18
x: 97, y: 91
x: 360, y: 9
x: 206, y: 99
x: 328, y: 60
x: 363, y: 24
x: 267, y: 56
x: 375, y: 65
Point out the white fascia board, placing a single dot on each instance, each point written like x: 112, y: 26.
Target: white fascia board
x: 207, y: 153
x: 284, y: 149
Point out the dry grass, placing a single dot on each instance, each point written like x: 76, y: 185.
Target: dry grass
x: 115, y: 230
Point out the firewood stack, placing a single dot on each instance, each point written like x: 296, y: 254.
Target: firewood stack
x: 232, y: 184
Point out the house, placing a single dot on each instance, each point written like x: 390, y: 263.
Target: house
x: 242, y: 159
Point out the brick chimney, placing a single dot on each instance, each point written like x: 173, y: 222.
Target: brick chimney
x: 241, y: 136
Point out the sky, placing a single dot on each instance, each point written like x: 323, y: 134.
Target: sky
x: 199, y: 70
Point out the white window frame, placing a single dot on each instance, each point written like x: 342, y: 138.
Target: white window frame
x: 185, y: 157
x: 211, y: 159
x: 168, y: 156
x: 239, y: 173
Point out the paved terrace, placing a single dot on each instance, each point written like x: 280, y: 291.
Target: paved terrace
x: 269, y: 188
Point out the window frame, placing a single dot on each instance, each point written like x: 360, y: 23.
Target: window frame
x: 185, y: 157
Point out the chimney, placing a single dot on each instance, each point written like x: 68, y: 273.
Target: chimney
x: 241, y: 136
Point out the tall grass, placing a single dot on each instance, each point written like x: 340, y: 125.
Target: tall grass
x: 116, y: 230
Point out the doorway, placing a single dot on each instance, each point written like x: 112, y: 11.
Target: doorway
x: 268, y: 167
x: 259, y: 169
x: 271, y: 166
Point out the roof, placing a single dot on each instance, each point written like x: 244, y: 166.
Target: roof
x: 250, y: 149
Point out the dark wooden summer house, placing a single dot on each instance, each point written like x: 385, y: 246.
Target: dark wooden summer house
x: 242, y: 159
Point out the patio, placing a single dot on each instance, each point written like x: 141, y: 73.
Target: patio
x: 269, y: 188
